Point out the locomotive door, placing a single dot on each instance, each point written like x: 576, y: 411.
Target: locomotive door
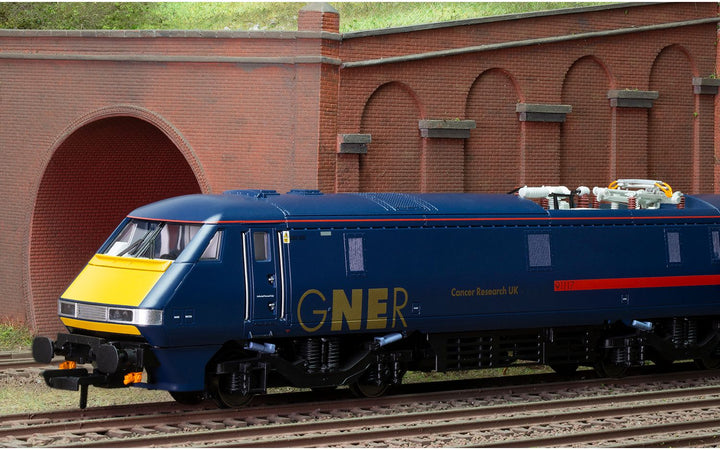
x: 264, y: 276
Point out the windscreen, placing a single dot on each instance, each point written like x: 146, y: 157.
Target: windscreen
x: 153, y: 240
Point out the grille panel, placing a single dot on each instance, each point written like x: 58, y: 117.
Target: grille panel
x: 91, y: 312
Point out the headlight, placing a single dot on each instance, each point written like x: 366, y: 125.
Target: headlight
x: 120, y: 315
x: 135, y: 316
x: 99, y: 313
x: 67, y: 309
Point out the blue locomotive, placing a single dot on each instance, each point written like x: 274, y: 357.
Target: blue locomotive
x: 227, y: 295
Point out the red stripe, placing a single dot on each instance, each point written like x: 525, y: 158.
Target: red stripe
x: 634, y: 283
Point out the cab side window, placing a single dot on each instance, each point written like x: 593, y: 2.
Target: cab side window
x: 212, y: 251
x: 261, y: 246
x: 715, y: 239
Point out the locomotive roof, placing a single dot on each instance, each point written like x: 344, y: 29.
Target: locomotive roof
x: 258, y: 206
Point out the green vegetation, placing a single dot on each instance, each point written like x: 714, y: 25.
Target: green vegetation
x: 354, y: 16
x: 76, y: 16
x: 367, y: 16
x: 14, y: 337
x: 29, y: 394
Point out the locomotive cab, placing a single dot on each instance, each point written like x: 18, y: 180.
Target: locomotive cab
x: 123, y: 311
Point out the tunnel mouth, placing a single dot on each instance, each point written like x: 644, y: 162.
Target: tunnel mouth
x: 95, y: 177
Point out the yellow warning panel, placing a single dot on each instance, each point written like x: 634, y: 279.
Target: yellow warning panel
x: 115, y: 280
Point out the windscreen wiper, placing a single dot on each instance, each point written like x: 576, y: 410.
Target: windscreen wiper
x: 149, y: 239
x: 131, y: 247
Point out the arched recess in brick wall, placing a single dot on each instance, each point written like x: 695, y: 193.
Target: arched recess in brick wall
x: 97, y: 174
x: 671, y: 119
x: 492, y: 153
x: 585, y: 134
x: 393, y: 160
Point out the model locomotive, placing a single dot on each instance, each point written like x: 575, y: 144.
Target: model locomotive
x: 227, y: 295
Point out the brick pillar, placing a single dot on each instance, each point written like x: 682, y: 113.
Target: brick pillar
x: 540, y: 142
x: 629, y: 143
x: 704, y: 150
x: 317, y: 76
x: 319, y: 17
x: 443, y: 154
x: 629, y: 132
x: 716, y: 126
x: 540, y: 153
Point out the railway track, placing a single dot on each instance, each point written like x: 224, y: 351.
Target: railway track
x: 17, y: 360
x: 526, y: 415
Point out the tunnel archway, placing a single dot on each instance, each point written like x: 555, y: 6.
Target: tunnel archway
x: 96, y: 175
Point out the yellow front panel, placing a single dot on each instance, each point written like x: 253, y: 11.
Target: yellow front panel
x: 115, y: 280
x: 100, y: 326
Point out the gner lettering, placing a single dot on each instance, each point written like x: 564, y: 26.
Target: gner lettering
x: 369, y: 309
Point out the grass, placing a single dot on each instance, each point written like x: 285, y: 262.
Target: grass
x: 14, y: 336
x: 27, y: 393
x: 371, y: 15
x: 354, y: 16
x: 274, y: 16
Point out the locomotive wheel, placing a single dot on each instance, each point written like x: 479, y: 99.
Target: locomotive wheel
x: 610, y: 370
x: 188, y: 398
x: 360, y: 389
x: 224, y: 398
x: 228, y: 400
x: 564, y: 369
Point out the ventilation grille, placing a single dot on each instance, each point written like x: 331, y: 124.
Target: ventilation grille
x: 398, y: 202
x: 254, y: 193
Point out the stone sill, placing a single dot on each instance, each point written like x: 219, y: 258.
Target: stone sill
x: 630, y: 98
x: 353, y: 143
x: 705, y: 85
x: 446, y: 128
x: 539, y: 112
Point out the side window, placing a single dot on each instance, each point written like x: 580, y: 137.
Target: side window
x: 539, y: 256
x: 355, y: 254
x: 261, y: 246
x: 673, y: 247
x: 715, y: 242
x: 212, y: 251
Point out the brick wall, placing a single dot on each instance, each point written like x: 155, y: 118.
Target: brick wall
x: 96, y: 123
x: 570, y: 59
